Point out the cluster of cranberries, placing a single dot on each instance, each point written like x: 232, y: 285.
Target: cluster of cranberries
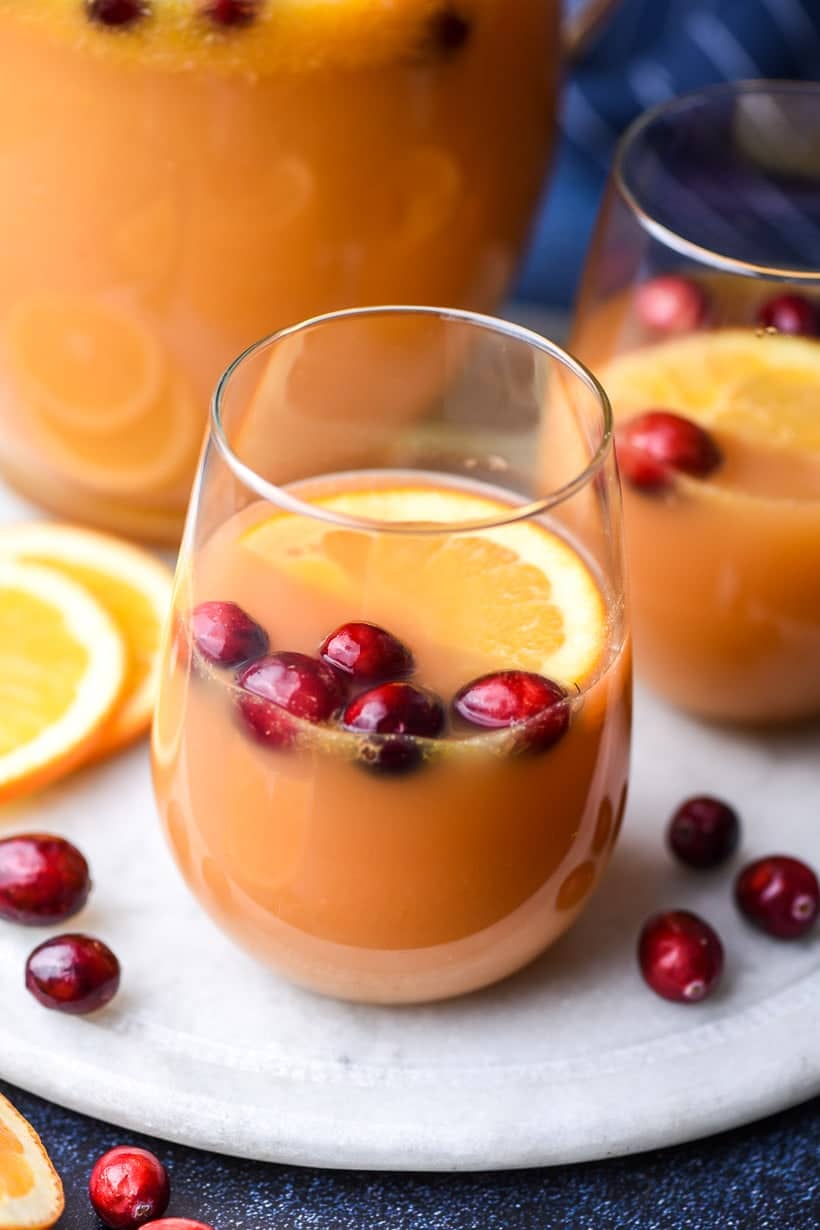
x: 447, y: 30
x: 44, y: 880
x: 125, y: 13
x: 129, y: 1189
x: 658, y: 443
x: 680, y: 954
x: 359, y: 679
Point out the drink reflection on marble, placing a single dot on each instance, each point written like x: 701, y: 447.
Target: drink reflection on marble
x: 180, y: 177
x: 700, y: 312
x: 391, y: 744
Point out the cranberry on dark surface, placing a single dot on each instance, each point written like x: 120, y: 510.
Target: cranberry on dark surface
x: 128, y: 1187
x: 704, y: 832
x: 790, y: 314
x: 400, y: 711
x: 671, y: 304
x: 510, y: 698
x: 230, y: 12
x: 73, y: 973
x: 284, y: 685
x: 653, y: 444
x: 680, y: 955
x: 226, y: 635
x: 176, y: 1223
x: 779, y: 894
x: 120, y: 13
x: 43, y: 879
x: 366, y: 653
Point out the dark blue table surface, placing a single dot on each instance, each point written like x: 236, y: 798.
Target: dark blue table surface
x: 762, y: 1177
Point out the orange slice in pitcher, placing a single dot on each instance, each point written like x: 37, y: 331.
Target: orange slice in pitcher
x: 31, y: 1194
x: 99, y: 400
x: 518, y: 595
x: 62, y: 666
x: 94, y: 368
x: 133, y: 586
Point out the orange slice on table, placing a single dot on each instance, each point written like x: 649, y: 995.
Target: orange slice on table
x: 134, y: 588
x: 515, y: 595
x: 761, y: 386
x: 31, y: 1194
x: 98, y: 396
x: 62, y: 667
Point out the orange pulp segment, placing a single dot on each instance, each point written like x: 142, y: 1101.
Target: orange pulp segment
x: 133, y: 586
x: 519, y: 595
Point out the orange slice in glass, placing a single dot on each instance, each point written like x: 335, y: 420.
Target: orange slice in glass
x: 762, y: 387
x: 517, y: 595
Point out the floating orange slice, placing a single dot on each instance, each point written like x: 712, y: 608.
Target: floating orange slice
x: 132, y: 586
x: 99, y: 400
x: 760, y: 386
x: 92, y: 366
x: 62, y: 666
x: 516, y: 595
x: 31, y: 1194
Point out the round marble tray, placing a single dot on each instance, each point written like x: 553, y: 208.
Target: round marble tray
x: 574, y: 1059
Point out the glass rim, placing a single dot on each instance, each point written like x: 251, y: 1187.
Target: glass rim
x: 666, y: 235
x: 283, y: 498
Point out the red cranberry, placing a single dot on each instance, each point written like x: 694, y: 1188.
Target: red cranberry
x: 449, y: 30
x: 778, y: 894
x: 366, y: 653
x: 117, y: 12
x: 231, y: 12
x: 43, y: 879
x: 680, y: 955
x: 704, y: 832
x: 671, y: 304
x: 226, y: 635
x: 657, y: 442
x: 176, y: 1223
x: 73, y: 973
x: 790, y: 314
x: 507, y: 698
x: 399, y: 711
x: 283, y: 684
x: 128, y: 1186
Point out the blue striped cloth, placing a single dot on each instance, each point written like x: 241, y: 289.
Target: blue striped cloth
x: 650, y: 51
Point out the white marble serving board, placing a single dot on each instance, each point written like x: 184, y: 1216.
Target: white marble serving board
x: 574, y: 1059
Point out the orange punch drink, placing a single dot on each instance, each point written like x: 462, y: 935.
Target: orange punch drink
x: 181, y: 176
x: 700, y: 313
x: 391, y: 746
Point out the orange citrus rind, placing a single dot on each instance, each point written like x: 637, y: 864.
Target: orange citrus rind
x: 62, y: 667
x: 31, y: 1193
x: 518, y: 594
x: 133, y: 586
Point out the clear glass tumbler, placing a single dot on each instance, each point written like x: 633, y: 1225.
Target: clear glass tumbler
x: 391, y: 744
x: 700, y: 313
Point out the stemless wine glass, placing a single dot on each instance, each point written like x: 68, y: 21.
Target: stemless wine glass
x: 700, y: 312
x: 391, y: 743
